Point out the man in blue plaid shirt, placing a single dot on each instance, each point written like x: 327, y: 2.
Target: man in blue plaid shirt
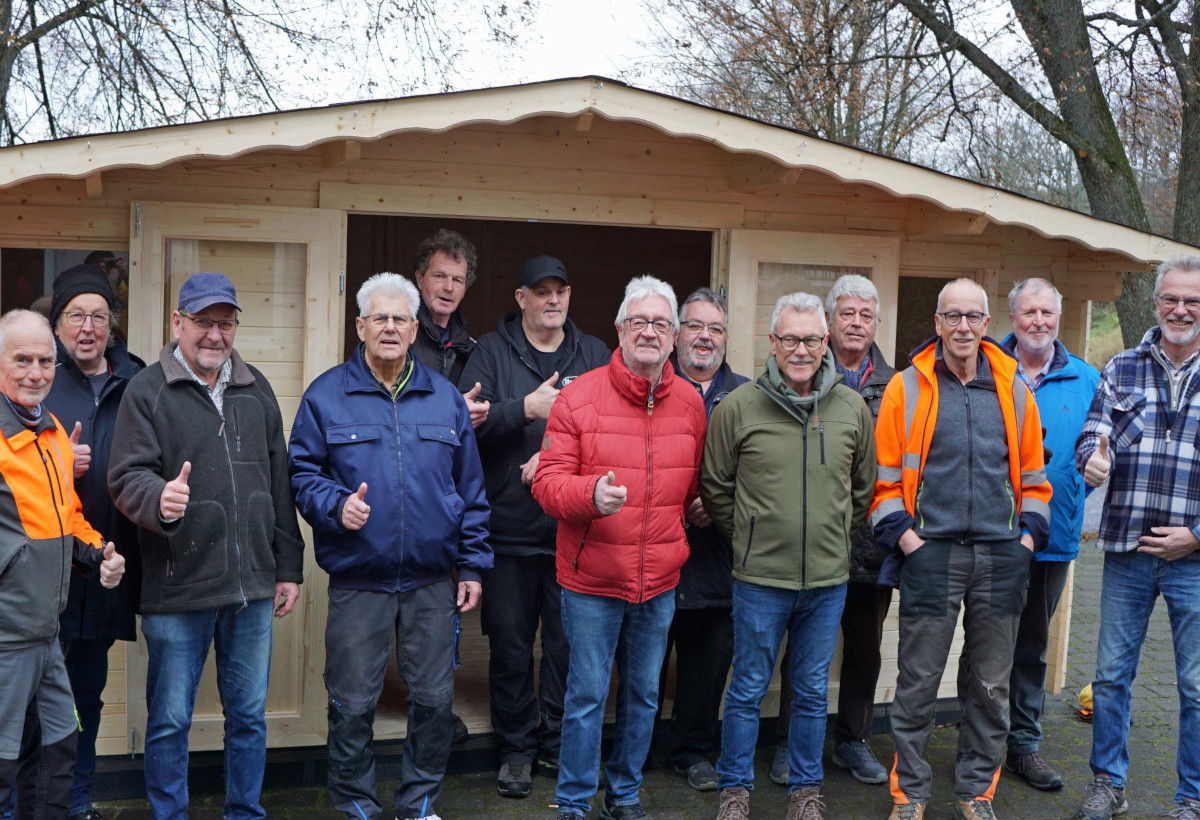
x: 1141, y: 435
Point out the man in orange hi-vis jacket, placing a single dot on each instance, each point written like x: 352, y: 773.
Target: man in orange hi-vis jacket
x: 962, y: 500
x: 42, y: 531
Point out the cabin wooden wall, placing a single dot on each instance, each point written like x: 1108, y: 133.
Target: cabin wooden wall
x: 587, y: 170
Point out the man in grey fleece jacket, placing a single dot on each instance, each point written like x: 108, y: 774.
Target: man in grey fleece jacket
x: 200, y: 465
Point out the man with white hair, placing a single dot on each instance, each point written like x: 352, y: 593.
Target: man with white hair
x: 962, y: 494
x: 1140, y: 435
x: 385, y: 468
x: 788, y: 474
x: 1063, y: 386
x: 618, y: 470
x: 44, y: 532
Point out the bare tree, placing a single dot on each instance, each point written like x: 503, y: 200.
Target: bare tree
x: 76, y: 66
x: 848, y: 70
x: 1069, y: 99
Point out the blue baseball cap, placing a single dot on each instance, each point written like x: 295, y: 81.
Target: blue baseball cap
x: 202, y: 290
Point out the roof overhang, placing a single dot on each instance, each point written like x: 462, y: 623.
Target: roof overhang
x: 83, y: 157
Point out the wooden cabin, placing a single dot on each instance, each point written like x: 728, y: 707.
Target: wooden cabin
x: 299, y: 208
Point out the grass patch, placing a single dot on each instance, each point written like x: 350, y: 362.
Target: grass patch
x: 1104, y: 341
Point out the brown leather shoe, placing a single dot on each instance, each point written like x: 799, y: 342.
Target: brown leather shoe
x: 735, y: 804
x: 907, y: 811
x: 805, y: 804
x: 974, y: 810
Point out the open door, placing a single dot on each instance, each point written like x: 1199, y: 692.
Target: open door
x: 286, y: 264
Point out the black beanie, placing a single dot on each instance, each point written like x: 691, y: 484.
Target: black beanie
x: 74, y: 281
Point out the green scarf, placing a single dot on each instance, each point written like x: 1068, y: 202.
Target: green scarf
x: 803, y: 405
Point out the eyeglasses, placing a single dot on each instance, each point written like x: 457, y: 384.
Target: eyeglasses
x: 661, y: 326
x: 790, y: 343
x: 715, y: 330
x: 1171, y: 302
x: 953, y: 317
x: 205, y: 324
x: 78, y: 319
x: 380, y: 320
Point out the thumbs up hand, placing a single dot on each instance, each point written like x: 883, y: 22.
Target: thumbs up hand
x: 83, y: 452
x: 607, y: 496
x: 1095, y: 472
x: 172, y: 504
x: 539, y: 402
x: 112, y: 567
x: 356, y: 509
x: 477, y: 409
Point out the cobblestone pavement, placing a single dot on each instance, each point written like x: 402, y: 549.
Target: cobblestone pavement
x: 1067, y: 744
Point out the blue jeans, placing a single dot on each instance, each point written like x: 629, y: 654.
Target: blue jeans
x: 760, y: 617
x: 178, y: 645
x: 600, y: 630
x: 1132, y: 583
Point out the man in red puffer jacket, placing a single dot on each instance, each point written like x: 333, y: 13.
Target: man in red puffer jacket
x: 619, y: 466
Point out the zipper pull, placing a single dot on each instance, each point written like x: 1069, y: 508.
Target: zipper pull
x: 650, y: 405
x: 221, y: 432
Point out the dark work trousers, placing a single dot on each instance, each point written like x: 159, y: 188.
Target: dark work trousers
x: 358, y: 637
x: 87, y: 668
x: 518, y: 593
x: 987, y: 580
x: 1027, y: 683
x: 703, y: 642
x: 862, y: 633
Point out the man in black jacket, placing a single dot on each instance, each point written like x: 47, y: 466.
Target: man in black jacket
x: 520, y: 368
x: 200, y: 465
x: 702, y: 632
x: 91, y: 375
x: 444, y: 269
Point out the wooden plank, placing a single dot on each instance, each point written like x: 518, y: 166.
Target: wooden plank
x: 22, y: 224
x: 339, y: 151
x: 954, y: 256
x: 520, y: 205
x: 94, y: 186
x: 748, y: 172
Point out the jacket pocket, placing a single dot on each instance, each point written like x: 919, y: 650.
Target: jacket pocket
x: 259, y: 527
x: 13, y: 559
x: 749, y: 541
x: 352, y: 434
x: 200, y: 552
x: 439, y: 449
x: 1129, y: 420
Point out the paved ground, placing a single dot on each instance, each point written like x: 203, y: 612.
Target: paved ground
x: 1068, y: 741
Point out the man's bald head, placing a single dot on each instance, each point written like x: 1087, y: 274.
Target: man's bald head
x: 26, y: 357
x: 967, y: 288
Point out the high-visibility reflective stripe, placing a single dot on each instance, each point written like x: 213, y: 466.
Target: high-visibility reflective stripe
x: 1033, y: 478
x: 886, y: 508
x: 885, y: 473
x: 912, y: 392
x: 1034, y: 505
x: 911, y: 461
x: 1020, y: 393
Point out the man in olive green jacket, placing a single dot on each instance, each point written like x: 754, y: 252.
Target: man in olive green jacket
x: 788, y: 474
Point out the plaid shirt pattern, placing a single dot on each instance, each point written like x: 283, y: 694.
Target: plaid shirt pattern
x: 1155, y: 477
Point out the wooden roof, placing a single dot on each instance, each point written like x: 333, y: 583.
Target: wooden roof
x: 343, y: 125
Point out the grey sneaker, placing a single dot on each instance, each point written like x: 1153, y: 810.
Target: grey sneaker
x: 1188, y: 810
x: 780, y: 768
x: 1104, y: 800
x: 631, y: 811
x: 701, y: 776
x: 735, y: 804
x: 805, y: 804
x: 1034, y: 770
x: 974, y: 810
x: 514, y: 779
x: 856, y: 755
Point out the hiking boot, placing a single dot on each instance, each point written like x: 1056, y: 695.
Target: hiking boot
x: 780, y: 768
x: 1188, y: 810
x: 631, y: 811
x: 856, y: 755
x: 1034, y: 770
x: 514, y: 779
x: 735, y: 804
x: 977, y: 809
x: 805, y: 804
x: 547, y: 767
x: 1104, y: 800
x: 907, y: 811
x: 701, y: 776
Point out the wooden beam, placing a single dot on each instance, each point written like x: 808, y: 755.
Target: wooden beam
x: 748, y: 171
x: 94, y: 186
x: 933, y: 221
x: 584, y: 123
x: 335, y: 153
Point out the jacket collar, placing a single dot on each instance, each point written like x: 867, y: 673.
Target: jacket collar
x: 1002, y: 365
x: 16, y: 432
x: 637, y: 388
x: 723, y: 381
x: 1060, y: 361
x: 460, y: 337
x: 122, y: 364
x: 358, y: 378
x: 240, y: 375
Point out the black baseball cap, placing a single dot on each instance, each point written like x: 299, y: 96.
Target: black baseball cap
x: 538, y: 268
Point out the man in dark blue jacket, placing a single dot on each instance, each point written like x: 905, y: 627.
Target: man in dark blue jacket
x: 702, y: 632
x: 385, y: 468
x: 533, y: 353
x: 91, y: 375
